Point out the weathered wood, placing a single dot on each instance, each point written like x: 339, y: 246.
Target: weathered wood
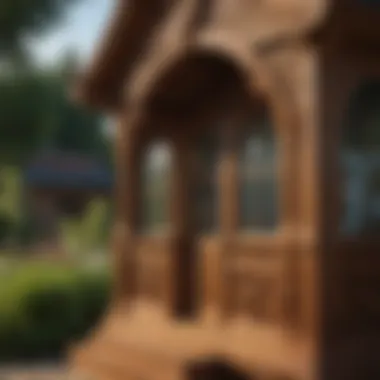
x: 287, y: 303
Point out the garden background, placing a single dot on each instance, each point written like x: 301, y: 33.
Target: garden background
x: 50, y: 294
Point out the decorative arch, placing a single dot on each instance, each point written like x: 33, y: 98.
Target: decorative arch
x: 197, y: 79
x: 175, y: 83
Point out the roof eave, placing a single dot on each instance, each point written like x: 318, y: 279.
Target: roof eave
x: 129, y: 29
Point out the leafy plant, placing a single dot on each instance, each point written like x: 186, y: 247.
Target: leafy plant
x: 44, y: 307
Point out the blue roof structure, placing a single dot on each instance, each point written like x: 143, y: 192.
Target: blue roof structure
x: 68, y: 171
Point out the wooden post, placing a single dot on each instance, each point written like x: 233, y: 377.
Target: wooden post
x: 127, y: 183
x: 311, y: 166
x: 183, y: 255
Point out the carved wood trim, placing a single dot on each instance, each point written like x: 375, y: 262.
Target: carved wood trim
x: 152, y: 260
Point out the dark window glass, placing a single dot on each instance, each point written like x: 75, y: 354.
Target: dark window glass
x: 155, y: 191
x: 258, y: 203
x: 360, y: 156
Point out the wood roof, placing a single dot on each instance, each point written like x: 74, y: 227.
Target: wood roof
x: 139, y: 29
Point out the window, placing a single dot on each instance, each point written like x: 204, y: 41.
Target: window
x: 360, y: 156
x: 258, y: 206
x: 155, y: 191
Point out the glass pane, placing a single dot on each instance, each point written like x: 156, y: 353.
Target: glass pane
x: 258, y: 176
x: 361, y: 164
x: 205, y: 194
x: 155, y: 191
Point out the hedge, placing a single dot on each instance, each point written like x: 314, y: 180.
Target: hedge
x: 45, y: 307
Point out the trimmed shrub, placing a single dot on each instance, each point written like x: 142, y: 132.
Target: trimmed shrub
x: 44, y: 307
x: 6, y: 227
x: 26, y: 232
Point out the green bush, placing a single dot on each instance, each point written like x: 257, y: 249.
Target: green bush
x: 26, y: 232
x: 6, y: 227
x: 44, y: 307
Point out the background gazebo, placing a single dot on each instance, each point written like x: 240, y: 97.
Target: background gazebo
x: 61, y: 184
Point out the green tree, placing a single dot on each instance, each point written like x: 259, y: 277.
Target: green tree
x: 20, y: 20
x: 24, y: 123
x: 36, y: 113
x: 75, y: 129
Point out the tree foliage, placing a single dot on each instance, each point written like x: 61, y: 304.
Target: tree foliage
x: 34, y: 107
x: 75, y: 129
x: 21, y: 20
x: 36, y: 113
x: 24, y: 101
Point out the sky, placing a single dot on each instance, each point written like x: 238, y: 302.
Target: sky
x: 80, y: 29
